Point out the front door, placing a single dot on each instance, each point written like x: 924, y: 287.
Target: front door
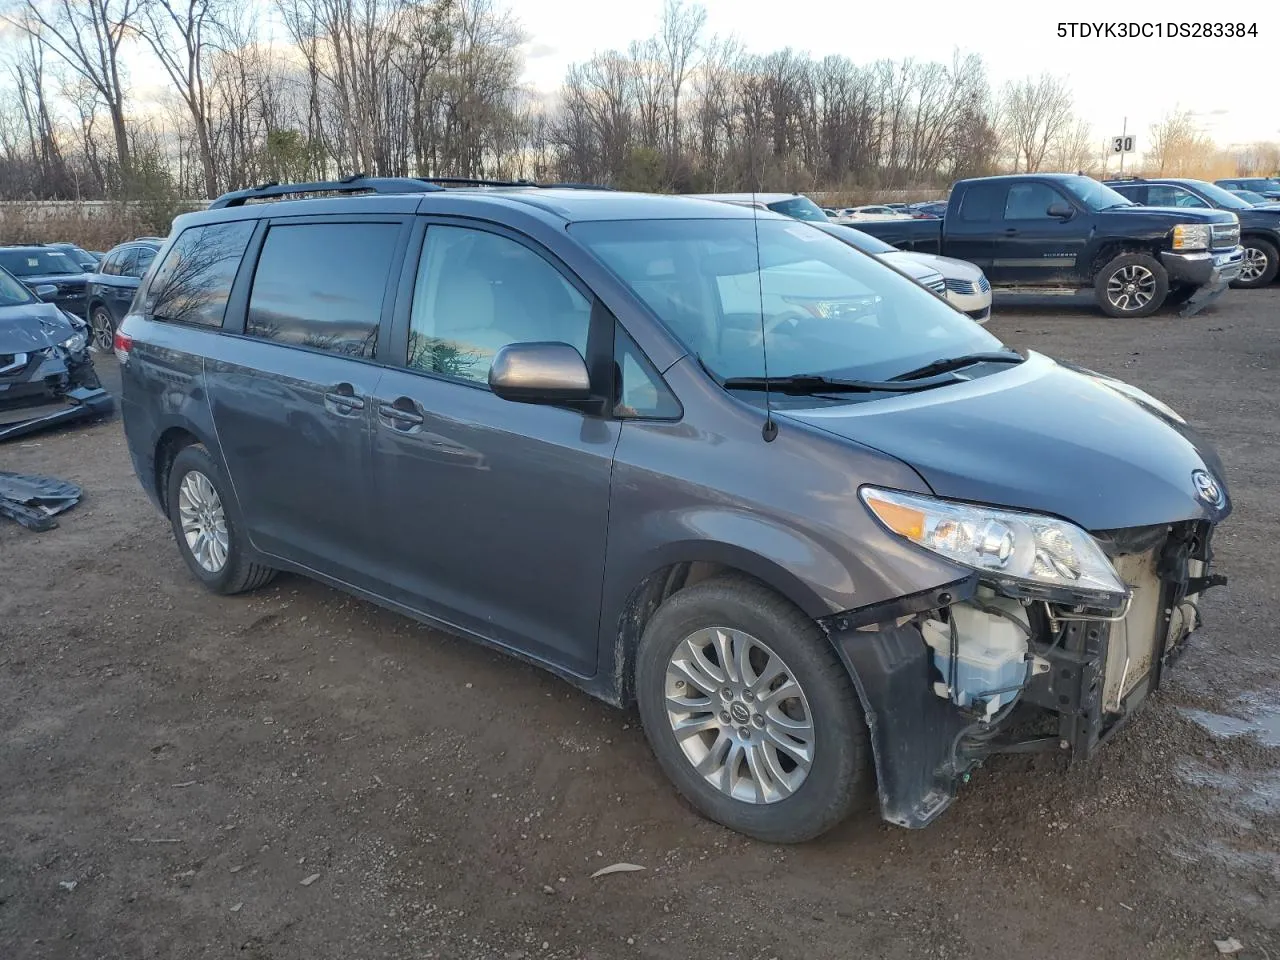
x: 492, y: 514
x: 1032, y: 247
x: 292, y: 398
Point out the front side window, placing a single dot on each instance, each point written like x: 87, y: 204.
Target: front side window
x: 322, y: 285
x: 1030, y: 201
x: 1167, y: 195
x: 815, y: 305
x: 194, y: 281
x: 476, y: 292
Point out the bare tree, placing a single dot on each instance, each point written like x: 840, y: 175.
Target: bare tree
x: 680, y: 44
x: 1034, y: 112
x: 1179, y: 147
x: 1074, y: 149
x: 86, y: 35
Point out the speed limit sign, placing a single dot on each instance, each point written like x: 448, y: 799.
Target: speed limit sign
x: 1122, y: 144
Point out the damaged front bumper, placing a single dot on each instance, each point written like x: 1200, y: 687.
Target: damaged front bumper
x: 1210, y: 272
x: 40, y: 392
x: 1086, y: 671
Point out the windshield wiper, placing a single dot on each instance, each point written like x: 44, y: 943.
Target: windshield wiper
x: 809, y: 383
x: 947, y: 364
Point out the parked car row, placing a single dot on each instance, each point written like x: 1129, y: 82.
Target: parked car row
x: 831, y: 537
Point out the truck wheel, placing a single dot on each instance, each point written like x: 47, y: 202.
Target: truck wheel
x: 1131, y: 285
x: 208, y: 534
x: 750, y: 712
x: 102, y: 329
x: 1261, y: 263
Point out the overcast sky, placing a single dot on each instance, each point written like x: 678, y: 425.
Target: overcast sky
x: 1231, y: 84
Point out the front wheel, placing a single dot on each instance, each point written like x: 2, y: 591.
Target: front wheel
x: 1131, y: 285
x: 1261, y: 263
x: 750, y: 712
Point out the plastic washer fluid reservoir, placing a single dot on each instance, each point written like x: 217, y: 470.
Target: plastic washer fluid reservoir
x: 991, y: 652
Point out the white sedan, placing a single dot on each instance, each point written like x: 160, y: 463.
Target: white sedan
x: 965, y: 286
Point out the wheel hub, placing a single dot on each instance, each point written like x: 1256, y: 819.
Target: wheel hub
x: 203, y: 521
x: 739, y: 715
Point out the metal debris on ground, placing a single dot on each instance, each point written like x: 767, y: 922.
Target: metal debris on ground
x: 33, y: 500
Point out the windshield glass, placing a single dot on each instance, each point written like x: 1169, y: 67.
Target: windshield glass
x: 799, y: 208
x: 37, y: 263
x: 1094, y: 195
x: 1222, y: 198
x: 13, y: 292
x: 827, y: 308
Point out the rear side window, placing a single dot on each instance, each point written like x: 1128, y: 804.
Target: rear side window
x: 142, y: 261
x: 983, y: 202
x: 194, y: 281
x: 321, y: 285
x: 114, y: 264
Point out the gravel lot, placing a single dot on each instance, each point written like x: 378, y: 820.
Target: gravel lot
x: 189, y: 763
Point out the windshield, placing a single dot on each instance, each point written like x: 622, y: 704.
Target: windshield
x: 1094, y: 195
x: 827, y: 308
x: 12, y: 292
x: 799, y: 208
x: 37, y: 263
x: 1222, y: 198
x: 1249, y: 197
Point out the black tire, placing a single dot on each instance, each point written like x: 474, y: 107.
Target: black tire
x: 1255, y: 248
x: 1144, y: 268
x: 102, y: 328
x: 840, y: 771
x: 237, y: 574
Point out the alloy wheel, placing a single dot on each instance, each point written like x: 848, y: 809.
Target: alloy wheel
x: 204, y: 521
x: 1254, y: 265
x: 739, y: 715
x: 1131, y: 287
x: 102, y: 330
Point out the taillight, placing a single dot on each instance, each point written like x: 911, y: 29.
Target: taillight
x: 122, y: 344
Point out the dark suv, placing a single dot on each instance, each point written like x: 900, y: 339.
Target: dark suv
x: 1259, y: 228
x: 822, y: 529
x: 111, y: 288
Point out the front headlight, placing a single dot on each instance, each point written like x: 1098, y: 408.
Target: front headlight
x: 1191, y: 236
x: 76, y: 342
x: 1004, y: 546
x: 1138, y: 396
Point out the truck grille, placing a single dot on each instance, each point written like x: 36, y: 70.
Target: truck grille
x: 1225, y: 235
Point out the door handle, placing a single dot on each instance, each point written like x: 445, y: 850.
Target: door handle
x: 342, y: 400
x: 1011, y: 232
x: 401, y: 413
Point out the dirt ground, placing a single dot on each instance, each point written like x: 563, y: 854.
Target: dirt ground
x: 188, y: 762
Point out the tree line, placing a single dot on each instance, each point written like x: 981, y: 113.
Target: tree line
x: 316, y: 89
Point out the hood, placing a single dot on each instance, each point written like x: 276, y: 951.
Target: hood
x: 911, y: 264
x: 1268, y: 216
x: 1043, y: 438
x: 952, y: 268
x: 1174, y: 214
x: 33, y: 326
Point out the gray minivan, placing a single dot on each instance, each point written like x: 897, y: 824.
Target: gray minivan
x: 831, y: 537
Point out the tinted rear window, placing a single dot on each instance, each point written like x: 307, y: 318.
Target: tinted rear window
x: 194, y: 281
x: 321, y: 285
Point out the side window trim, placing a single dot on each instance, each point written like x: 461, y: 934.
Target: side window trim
x: 599, y: 358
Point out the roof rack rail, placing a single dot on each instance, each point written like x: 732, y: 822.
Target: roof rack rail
x: 482, y: 182
x: 356, y: 183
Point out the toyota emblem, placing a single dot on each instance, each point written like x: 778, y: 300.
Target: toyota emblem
x: 1207, y: 488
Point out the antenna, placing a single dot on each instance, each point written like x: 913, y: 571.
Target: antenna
x: 770, y: 430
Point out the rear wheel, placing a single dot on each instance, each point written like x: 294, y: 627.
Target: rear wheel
x: 209, y: 536
x: 750, y: 713
x: 1261, y: 263
x: 102, y: 328
x: 1131, y: 285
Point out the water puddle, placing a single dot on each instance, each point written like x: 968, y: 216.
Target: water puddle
x: 1263, y: 720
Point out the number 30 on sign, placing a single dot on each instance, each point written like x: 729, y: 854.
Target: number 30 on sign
x: 1122, y: 144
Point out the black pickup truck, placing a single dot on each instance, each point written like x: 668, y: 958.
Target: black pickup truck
x: 1052, y: 233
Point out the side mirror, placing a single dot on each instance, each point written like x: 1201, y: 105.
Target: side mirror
x: 1060, y: 211
x: 540, y: 373
x: 46, y: 291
